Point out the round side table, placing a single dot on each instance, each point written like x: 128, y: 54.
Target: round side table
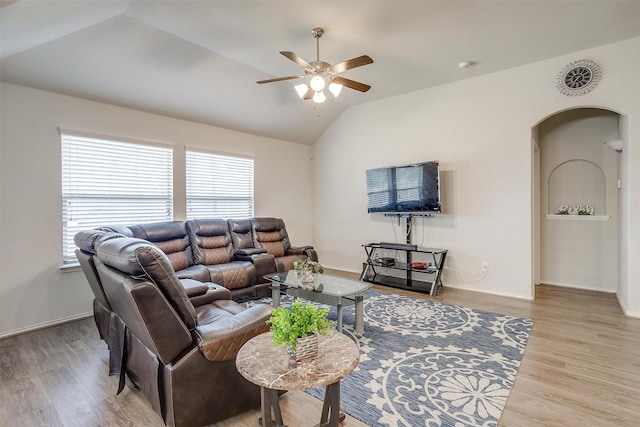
x: 270, y: 367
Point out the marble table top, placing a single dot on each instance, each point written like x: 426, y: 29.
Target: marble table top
x: 266, y: 365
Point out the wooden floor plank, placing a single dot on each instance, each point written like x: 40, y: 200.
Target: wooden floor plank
x: 581, y: 368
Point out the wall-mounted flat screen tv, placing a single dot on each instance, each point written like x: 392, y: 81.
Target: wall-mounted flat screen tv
x: 404, y: 189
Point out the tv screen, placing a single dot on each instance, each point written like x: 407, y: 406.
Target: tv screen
x: 410, y: 188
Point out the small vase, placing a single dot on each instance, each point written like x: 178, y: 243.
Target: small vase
x: 307, y: 348
x: 306, y: 276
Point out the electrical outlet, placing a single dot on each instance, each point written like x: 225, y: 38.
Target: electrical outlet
x: 485, y: 266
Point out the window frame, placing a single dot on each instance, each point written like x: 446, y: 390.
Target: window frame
x: 164, y: 197
x: 250, y: 210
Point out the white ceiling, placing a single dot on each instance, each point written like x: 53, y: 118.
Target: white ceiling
x: 199, y: 60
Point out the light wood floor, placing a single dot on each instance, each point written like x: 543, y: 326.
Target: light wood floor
x: 581, y: 368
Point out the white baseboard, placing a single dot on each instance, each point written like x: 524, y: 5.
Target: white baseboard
x: 483, y: 291
x: 625, y: 310
x: 45, y: 325
x: 564, y: 285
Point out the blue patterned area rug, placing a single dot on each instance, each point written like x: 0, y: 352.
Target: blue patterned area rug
x: 424, y: 363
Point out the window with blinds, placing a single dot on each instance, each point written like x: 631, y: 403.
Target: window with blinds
x: 107, y: 182
x: 218, y: 186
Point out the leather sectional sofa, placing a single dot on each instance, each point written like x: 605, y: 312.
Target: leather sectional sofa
x: 236, y: 254
x: 163, y: 304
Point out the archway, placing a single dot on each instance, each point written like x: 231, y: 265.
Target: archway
x: 573, y: 168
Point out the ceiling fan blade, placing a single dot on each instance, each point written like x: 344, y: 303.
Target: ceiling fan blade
x: 308, y: 95
x: 295, y: 58
x: 352, y: 84
x: 279, y: 79
x: 351, y: 63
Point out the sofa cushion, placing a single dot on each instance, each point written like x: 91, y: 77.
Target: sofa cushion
x: 224, y: 326
x: 233, y: 275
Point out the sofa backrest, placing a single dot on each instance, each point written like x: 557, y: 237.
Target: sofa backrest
x: 142, y: 260
x: 241, y: 233
x: 85, y: 241
x: 270, y: 234
x: 120, y: 229
x: 171, y: 237
x: 210, y: 241
x: 140, y: 305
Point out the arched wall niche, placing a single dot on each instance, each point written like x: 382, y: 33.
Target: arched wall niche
x: 577, y: 182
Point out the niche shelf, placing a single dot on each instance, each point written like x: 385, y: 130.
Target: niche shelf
x: 579, y: 217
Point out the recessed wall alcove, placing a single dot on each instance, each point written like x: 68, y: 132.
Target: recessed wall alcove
x: 573, y: 166
x: 577, y: 182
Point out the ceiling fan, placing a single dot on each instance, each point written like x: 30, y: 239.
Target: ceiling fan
x: 322, y: 74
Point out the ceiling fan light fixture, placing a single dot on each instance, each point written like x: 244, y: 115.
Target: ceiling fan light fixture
x: 302, y: 89
x: 317, y: 83
x: 335, y: 89
x: 319, y: 97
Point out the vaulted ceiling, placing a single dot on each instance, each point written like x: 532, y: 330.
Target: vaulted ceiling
x: 200, y: 60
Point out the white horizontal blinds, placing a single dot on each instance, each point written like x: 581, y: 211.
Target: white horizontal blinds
x: 219, y: 186
x: 408, y: 183
x: 106, y: 182
x: 380, y: 188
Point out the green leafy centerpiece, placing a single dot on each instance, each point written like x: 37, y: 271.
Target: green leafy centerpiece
x: 298, y: 328
x: 306, y: 268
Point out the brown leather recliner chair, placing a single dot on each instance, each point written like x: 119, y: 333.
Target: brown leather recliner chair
x: 181, y: 356
x: 85, y: 241
x: 271, y: 234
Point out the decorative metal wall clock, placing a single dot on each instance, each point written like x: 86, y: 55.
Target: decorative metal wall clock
x: 578, y: 78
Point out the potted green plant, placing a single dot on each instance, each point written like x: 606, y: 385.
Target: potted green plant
x: 306, y: 268
x: 298, y: 328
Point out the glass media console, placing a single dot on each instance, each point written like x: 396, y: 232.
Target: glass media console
x: 404, y: 266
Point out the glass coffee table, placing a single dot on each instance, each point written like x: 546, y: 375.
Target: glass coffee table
x: 330, y: 290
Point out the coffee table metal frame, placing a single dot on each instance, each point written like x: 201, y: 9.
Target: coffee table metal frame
x: 336, y: 291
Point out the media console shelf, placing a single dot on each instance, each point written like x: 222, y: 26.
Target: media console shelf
x: 394, y: 265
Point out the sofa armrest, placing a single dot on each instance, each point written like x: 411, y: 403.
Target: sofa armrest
x: 221, y: 340
x: 264, y: 264
x: 214, y: 293
x: 194, y: 288
x: 197, y: 272
x: 298, y: 250
x: 250, y: 251
x: 311, y: 253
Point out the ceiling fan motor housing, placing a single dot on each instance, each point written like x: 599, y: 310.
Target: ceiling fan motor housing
x: 318, y: 67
